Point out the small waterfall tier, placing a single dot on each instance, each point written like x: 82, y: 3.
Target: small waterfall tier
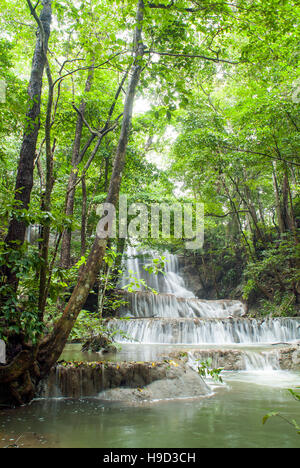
x: 149, y: 305
x: 206, y: 331
x: 172, y: 298
x: 241, y: 360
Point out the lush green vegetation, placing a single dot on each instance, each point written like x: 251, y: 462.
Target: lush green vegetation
x: 167, y: 101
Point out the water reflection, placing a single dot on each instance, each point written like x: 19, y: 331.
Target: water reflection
x: 230, y: 418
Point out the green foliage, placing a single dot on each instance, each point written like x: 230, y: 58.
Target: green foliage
x: 137, y: 284
x: 220, y: 80
x: 205, y: 370
x: 20, y: 311
x: 62, y: 280
x: 157, y: 266
x: 90, y: 325
x: 276, y: 270
x: 295, y: 394
x: 86, y: 325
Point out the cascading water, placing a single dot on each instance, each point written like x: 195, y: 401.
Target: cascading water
x: 264, y: 361
x: 207, y: 331
x: 173, y: 300
x: 176, y: 316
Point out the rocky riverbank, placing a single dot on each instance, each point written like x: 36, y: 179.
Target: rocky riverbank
x: 171, y: 376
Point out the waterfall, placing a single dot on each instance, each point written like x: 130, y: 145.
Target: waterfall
x: 206, y: 331
x: 173, y: 300
x: 265, y: 361
x: 169, y: 283
x: 148, y: 305
x: 237, y: 360
x: 175, y: 316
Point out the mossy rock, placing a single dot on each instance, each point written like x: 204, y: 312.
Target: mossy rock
x: 99, y: 343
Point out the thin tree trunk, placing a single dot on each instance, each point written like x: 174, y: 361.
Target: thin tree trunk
x: 235, y: 209
x: 277, y: 200
x: 102, y: 291
x: 65, y: 259
x: 83, y: 218
x: 106, y: 174
x: 261, y: 211
x: 285, y: 203
x: 73, y: 180
x: 248, y: 204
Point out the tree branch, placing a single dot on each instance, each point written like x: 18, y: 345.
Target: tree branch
x: 173, y: 54
x: 161, y: 6
x: 95, y: 67
x: 226, y: 214
x: 241, y: 150
x: 93, y: 132
x: 171, y: 5
x: 101, y: 135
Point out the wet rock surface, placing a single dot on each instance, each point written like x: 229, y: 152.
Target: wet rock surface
x: 290, y: 357
x: 171, y: 377
x: 181, y: 384
x: 285, y: 357
x: 143, y: 380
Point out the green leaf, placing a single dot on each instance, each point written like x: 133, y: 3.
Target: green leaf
x: 269, y: 415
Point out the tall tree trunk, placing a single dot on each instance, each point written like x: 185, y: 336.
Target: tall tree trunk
x: 285, y: 203
x: 277, y: 200
x: 24, y: 181
x: 261, y: 211
x: 29, y: 366
x: 53, y: 345
x: 46, y: 201
x: 282, y: 198
x: 83, y: 218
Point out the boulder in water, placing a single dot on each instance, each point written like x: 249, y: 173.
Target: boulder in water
x: 99, y: 343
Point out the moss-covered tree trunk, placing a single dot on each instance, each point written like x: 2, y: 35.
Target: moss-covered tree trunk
x: 24, y: 181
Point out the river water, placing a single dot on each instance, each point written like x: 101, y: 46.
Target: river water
x: 230, y: 417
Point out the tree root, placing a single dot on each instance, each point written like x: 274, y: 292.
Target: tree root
x: 23, y: 391
x: 16, y: 368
